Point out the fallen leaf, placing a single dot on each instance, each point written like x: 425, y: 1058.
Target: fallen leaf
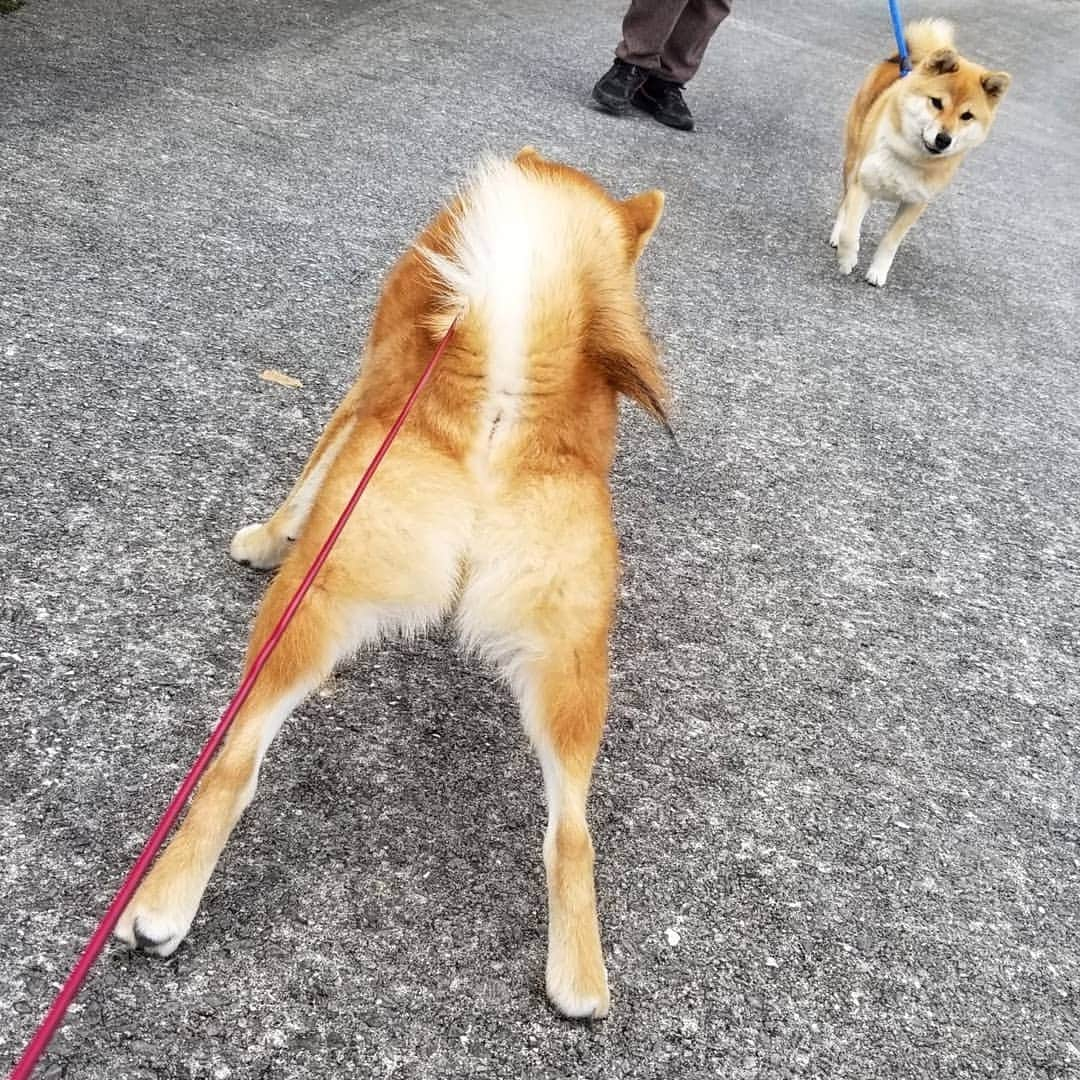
x: 279, y: 377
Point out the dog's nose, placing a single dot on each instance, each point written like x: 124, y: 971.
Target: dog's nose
x: 942, y: 140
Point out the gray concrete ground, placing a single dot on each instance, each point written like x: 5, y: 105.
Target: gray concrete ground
x: 836, y: 812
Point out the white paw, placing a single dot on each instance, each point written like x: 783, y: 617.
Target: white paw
x: 161, y: 912
x: 834, y: 236
x: 257, y: 546
x: 154, y: 930
x: 846, y: 261
x: 583, y: 996
x: 877, y: 275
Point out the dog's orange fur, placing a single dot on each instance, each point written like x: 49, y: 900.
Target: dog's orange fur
x: 883, y: 155
x: 503, y: 515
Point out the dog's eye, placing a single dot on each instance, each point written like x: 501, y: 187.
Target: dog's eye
x: 936, y: 102
x: 967, y: 115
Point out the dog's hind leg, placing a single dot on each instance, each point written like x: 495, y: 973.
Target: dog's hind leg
x: 539, y: 599
x: 849, y: 225
x: 161, y: 912
x: 265, y: 544
x: 396, y: 568
x: 563, y: 704
x: 906, y: 216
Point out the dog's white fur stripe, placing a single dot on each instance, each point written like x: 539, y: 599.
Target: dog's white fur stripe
x: 515, y: 233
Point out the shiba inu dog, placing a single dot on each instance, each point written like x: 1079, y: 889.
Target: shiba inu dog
x: 492, y: 504
x: 905, y: 137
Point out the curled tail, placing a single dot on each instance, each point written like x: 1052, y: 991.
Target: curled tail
x: 927, y: 36
x: 526, y: 263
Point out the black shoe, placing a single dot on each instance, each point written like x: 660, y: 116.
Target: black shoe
x: 614, y: 91
x: 665, y: 101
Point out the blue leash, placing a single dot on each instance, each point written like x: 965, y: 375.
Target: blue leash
x: 898, y: 33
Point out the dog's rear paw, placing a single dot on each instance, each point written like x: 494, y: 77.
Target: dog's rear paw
x: 256, y: 545
x: 150, y: 930
x: 162, y: 910
x: 580, y: 1003
x: 580, y: 994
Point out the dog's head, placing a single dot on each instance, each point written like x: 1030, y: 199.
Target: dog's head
x: 638, y: 216
x: 948, y: 104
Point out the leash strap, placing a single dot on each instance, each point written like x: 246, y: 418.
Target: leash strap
x: 898, y: 33
x: 44, y: 1034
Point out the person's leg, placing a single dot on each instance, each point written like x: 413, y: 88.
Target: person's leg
x: 684, y: 48
x: 646, y: 28
x: 680, y: 57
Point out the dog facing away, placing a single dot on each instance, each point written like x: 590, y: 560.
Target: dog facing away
x: 493, y: 503
x: 905, y: 137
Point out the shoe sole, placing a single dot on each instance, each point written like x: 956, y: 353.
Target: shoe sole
x: 647, y: 105
x: 615, y: 106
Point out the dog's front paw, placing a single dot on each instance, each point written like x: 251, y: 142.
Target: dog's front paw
x: 846, y: 261
x: 159, y: 915
x: 155, y: 932
x: 257, y: 545
x: 577, y: 983
x: 877, y: 275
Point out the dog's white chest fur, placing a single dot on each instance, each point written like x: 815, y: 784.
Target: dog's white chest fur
x: 887, y: 176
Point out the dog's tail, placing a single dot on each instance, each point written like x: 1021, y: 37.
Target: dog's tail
x: 525, y: 268
x: 927, y: 36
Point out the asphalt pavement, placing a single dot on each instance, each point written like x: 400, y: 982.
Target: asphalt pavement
x: 836, y: 810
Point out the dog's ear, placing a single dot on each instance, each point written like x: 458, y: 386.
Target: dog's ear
x: 941, y: 62
x: 626, y: 355
x: 643, y: 212
x: 995, y: 83
x: 527, y: 153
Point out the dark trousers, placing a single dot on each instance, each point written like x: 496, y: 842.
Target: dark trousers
x: 669, y: 36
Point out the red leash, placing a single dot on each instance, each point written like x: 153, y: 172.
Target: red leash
x: 44, y: 1034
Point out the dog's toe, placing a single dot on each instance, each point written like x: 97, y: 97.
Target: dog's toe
x: 158, y: 946
x: 156, y: 923
x: 256, y: 546
x: 577, y: 986
x: 580, y: 1006
x: 154, y: 933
